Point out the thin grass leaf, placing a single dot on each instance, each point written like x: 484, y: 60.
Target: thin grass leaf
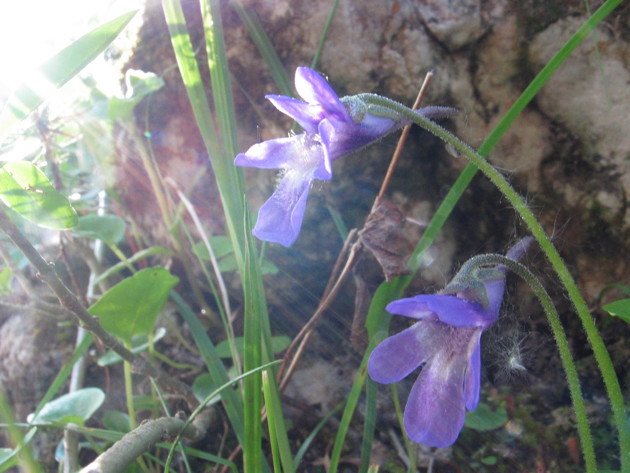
x: 272, y: 415
x: 322, y: 39
x: 377, y: 324
x: 309, y: 439
x: 369, y: 425
x: 225, y: 387
x: 65, y: 372
x: 265, y: 48
x: 140, y: 255
x: 348, y: 412
x: 22, y: 450
x: 232, y: 401
x: 58, y: 70
x: 230, y: 180
x: 193, y: 452
x: 252, y: 357
x: 228, y: 177
x: 277, y: 425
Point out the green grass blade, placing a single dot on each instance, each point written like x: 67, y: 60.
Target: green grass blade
x: 252, y: 358
x: 58, y: 70
x: 65, y: 372
x: 223, y: 388
x: 348, y: 412
x: 226, y: 174
x: 27, y: 459
x: 309, y: 440
x: 193, y: 452
x: 266, y: 49
x: 230, y: 180
x: 277, y: 426
x: 220, y: 77
x: 232, y: 401
x: 272, y: 416
x: 322, y: 39
x: 377, y: 324
x: 369, y: 425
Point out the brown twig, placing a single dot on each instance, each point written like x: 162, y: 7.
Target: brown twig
x: 307, y: 330
x: 403, y: 138
x: 47, y: 274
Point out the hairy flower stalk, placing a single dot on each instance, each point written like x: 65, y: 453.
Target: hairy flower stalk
x: 446, y: 340
x: 333, y: 128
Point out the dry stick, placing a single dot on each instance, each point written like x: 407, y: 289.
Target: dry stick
x: 47, y: 274
x: 331, y: 289
x: 310, y: 325
x: 325, y: 297
x: 138, y: 441
x: 403, y: 138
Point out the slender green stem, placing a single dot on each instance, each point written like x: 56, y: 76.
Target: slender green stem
x: 131, y: 409
x: 409, y: 446
x: 599, y: 349
x: 560, y: 337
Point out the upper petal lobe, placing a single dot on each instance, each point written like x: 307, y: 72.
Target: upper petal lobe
x: 314, y: 89
x: 449, y: 309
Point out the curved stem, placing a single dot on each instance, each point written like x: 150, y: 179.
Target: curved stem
x: 600, y: 352
x: 562, y: 343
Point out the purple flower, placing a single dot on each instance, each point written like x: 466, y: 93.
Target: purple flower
x: 333, y: 127
x: 446, y: 340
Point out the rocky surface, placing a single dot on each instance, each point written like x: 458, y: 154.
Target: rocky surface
x: 568, y: 153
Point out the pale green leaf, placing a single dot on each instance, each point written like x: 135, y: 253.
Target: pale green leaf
x: 139, y: 85
x: 75, y: 407
x: 483, y: 418
x: 132, y: 306
x: 203, y: 386
x: 620, y: 308
x: 5, y: 281
x: 116, y: 421
x: 109, y: 228
x: 27, y: 191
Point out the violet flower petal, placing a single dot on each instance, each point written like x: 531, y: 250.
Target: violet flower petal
x: 472, y: 383
x: 342, y: 138
x: 307, y: 115
x: 397, y: 356
x: 278, y: 153
x: 495, y: 288
x: 280, y: 218
x: 315, y: 90
x: 449, y: 309
x: 435, y: 412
